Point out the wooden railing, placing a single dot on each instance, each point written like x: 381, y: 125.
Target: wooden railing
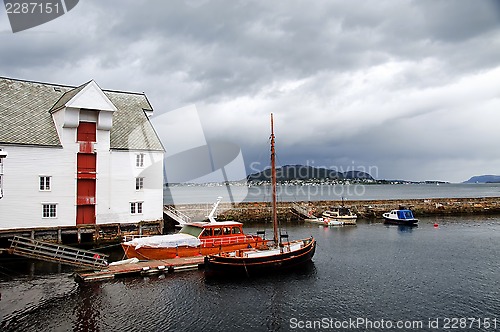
x: 57, y: 253
x: 230, y: 240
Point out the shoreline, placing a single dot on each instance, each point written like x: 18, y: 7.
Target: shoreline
x: 255, y: 212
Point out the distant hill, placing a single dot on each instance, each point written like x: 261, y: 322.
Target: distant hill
x: 357, y: 175
x: 484, y: 179
x: 301, y: 172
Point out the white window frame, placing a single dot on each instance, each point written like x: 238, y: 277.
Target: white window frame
x: 49, y: 212
x: 139, y: 160
x: 136, y: 207
x: 139, y: 183
x: 42, y: 183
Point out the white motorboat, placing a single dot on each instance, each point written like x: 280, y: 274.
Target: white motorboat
x: 400, y: 217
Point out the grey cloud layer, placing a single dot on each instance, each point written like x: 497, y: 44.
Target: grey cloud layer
x: 375, y: 82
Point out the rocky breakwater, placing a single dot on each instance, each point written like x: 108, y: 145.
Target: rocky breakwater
x: 257, y: 212
x: 374, y: 209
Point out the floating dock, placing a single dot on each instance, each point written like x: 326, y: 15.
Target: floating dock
x: 141, y: 268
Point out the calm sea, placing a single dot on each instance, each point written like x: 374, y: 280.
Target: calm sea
x: 201, y: 194
x: 369, y: 277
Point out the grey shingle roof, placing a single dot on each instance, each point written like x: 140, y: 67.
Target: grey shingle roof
x: 24, y: 113
x: 67, y: 97
x: 25, y: 116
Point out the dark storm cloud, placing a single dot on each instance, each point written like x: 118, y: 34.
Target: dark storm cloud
x: 234, y: 48
x: 374, y: 82
x: 461, y: 20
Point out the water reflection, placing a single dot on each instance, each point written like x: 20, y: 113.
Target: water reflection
x: 87, y: 309
x: 304, y: 271
x: 12, y: 267
x: 406, y: 229
x: 271, y: 297
x: 402, y: 228
x: 274, y: 318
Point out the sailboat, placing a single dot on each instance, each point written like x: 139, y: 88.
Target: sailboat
x: 269, y: 257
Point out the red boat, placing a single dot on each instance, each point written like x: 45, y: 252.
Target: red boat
x: 194, y: 239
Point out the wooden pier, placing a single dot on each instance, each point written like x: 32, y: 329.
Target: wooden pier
x: 141, y: 268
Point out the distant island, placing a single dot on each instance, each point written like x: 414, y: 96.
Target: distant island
x: 484, y: 179
x: 289, y: 173
x: 306, y: 175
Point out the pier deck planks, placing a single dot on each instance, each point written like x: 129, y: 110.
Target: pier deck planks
x: 140, y: 268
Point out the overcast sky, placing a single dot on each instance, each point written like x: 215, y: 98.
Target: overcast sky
x: 406, y: 89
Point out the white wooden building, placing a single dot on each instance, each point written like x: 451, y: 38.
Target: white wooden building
x: 77, y: 155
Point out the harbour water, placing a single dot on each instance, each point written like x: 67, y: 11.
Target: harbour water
x: 261, y: 193
x: 362, y: 277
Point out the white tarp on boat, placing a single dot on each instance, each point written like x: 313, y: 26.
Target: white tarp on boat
x: 165, y: 241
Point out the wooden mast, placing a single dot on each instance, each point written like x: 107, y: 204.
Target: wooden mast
x: 273, y: 183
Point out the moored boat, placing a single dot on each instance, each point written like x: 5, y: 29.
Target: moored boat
x: 322, y: 221
x: 336, y: 216
x: 194, y: 239
x: 271, y: 257
x: 266, y: 259
x: 400, y: 217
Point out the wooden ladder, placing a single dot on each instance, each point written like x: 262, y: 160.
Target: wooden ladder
x: 57, y: 253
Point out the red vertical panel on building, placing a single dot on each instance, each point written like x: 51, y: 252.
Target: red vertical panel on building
x: 85, y: 200
x: 86, y: 188
x: 85, y: 214
x: 86, y: 132
x: 86, y: 162
x: 86, y: 183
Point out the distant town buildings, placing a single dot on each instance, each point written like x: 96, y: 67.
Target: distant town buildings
x: 77, y: 155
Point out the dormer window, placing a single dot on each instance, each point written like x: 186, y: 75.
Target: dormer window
x: 139, y: 160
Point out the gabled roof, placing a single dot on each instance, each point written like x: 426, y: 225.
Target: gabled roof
x: 25, y: 115
x: 67, y: 97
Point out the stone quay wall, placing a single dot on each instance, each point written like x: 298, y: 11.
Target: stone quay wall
x: 257, y: 212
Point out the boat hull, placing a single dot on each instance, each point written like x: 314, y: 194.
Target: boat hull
x: 254, y: 266
x: 333, y: 221
x: 151, y: 253
x: 405, y: 222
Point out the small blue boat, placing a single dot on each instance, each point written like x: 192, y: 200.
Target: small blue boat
x: 400, y: 217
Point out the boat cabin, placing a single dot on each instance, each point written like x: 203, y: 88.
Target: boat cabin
x: 401, y: 214
x: 338, y: 212
x: 341, y: 211
x: 218, y: 233
x: 211, y: 230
